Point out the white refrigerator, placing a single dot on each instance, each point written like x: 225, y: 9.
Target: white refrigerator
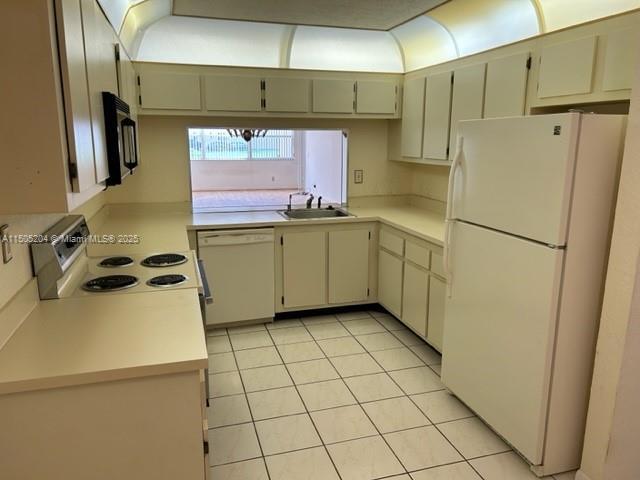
x: 530, y: 209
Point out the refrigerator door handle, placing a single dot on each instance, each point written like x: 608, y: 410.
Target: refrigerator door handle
x: 448, y: 220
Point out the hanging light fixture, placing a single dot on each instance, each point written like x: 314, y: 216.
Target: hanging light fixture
x: 246, y: 134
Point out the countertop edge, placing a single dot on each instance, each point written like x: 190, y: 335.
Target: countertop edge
x: 300, y: 223
x: 48, y: 383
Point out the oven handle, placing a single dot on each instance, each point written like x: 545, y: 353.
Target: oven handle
x: 208, y: 298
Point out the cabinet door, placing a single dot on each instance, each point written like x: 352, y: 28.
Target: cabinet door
x: 170, y: 91
x: 390, y: 282
x: 412, y: 118
x: 333, y: 96
x: 506, y: 86
x: 348, y: 266
x: 415, y: 296
x: 437, y: 116
x: 437, y: 296
x: 287, y: 94
x: 304, y: 262
x: 127, y: 81
x: 76, y: 94
x: 467, y: 99
x: 100, y: 48
x: 620, y: 59
x: 229, y: 93
x: 374, y: 96
x: 567, y: 68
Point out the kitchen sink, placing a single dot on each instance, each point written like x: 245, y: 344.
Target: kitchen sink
x: 310, y: 213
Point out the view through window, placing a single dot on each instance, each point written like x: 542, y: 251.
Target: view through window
x: 230, y: 173
x: 220, y: 144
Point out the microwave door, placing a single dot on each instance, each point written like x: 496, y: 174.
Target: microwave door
x: 129, y: 144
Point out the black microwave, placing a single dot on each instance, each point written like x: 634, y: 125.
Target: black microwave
x: 121, y: 138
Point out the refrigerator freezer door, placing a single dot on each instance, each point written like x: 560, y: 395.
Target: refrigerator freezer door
x: 499, y: 331
x: 516, y: 173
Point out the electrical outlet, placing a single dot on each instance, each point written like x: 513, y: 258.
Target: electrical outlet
x: 358, y: 176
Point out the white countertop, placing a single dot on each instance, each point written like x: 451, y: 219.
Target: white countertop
x: 82, y: 340
x: 101, y: 338
x: 160, y: 231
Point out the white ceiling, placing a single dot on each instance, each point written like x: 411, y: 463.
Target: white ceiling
x: 364, y: 14
x: 456, y: 28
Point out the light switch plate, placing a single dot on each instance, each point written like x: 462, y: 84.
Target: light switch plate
x: 6, y: 246
x: 358, y: 176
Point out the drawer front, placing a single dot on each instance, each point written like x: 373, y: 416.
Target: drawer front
x: 392, y: 242
x: 417, y: 254
x: 437, y: 266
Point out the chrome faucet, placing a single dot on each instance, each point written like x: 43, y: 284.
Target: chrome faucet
x: 291, y: 195
x: 309, y: 200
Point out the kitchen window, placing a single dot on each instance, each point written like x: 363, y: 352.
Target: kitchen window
x: 220, y: 144
x: 261, y: 170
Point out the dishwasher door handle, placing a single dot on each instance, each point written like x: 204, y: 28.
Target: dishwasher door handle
x: 208, y: 298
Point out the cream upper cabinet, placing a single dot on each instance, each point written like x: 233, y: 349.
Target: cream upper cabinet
x: 437, y: 116
x: 287, y: 94
x: 100, y: 49
x: 304, y: 269
x: 567, y: 68
x: 620, y: 59
x: 390, y: 270
x: 506, y: 88
x: 415, y: 296
x: 170, y: 91
x: 467, y: 100
x: 348, y: 265
x: 412, y: 118
x: 76, y: 94
x: 232, y: 93
x: 127, y: 81
x: 333, y: 96
x: 376, y: 96
x: 437, y: 297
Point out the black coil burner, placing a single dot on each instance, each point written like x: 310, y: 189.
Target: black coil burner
x: 110, y: 283
x: 167, y: 280
x: 164, y: 260
x: 112, y: 262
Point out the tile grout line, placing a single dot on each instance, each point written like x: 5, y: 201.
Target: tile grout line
x: 326, y: 450
x: 406, y: 471
x: 246, y: 398
x: 342, y: 378
x: 464, y: 459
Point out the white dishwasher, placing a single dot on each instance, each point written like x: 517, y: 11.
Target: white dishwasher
x: 240, y: 268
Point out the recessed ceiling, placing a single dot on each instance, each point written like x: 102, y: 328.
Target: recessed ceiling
x: 366, y: 14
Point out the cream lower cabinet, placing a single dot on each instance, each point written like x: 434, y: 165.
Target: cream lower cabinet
x: 415, y: 298
x: 137, y: 428
x: 349, y: 266
x: 410, y: 283
x: 390, y: 269
x: 324, y: 265
x: 304, y: 262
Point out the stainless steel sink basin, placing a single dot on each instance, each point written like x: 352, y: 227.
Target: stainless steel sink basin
x: 305, y: 214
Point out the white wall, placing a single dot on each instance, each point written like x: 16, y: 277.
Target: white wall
x: 323, y: 164
x: 613, y: 423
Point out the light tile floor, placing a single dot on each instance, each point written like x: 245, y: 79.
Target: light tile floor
x: 352, y: 396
